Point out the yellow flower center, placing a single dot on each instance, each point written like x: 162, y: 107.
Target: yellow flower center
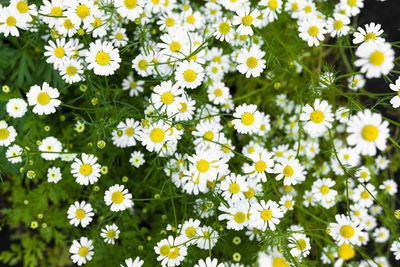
x: 183, y: 107
x: 155, y: 2
x: 307, y: 9
x: 338, y: 24
x: 239, y: 217
x: 260, y: 166
x: 103, y: 58
x: 252, y: 62
x: 313, y: 30
x: 288, y: 204
x: 68, y: 24
x: 364, y: 195
x: 218, y: 92
x: 4, y: 133
x: 266, y: 215
x: 22, y: 7
x: 133, y: 85
x: 352, y: 2
x: 370, y: 133
x: 250, y: 193
x: 85, y: 169
x: 175, y: 47
x: 324, y: 189
x: 209, y: 135
x: 190, y: 19
x: 129, y: 131
x: 346, y: 156
x: 317, y: 116
x: 234, y: 188
x: 174, y: 253
x: 214, y: 69
x: 295, y: 6
x: 59, y: 52
x: 83, y: 251
x: 347, y: 231
x: 111, y: 234
x: 190, y: 231
x: 247, y: 118
x: 247, y: 20
x: 43, y: 98
x: 80, y: 214
x: 288, y: 171
x: 189, y: 75
x: 369, y: 36
x: 272, y: 4
x: 71, y: 70
x: 117, y: 197
x: 143, y: 64
x: 301, y: 244
x: 157, y: 135
x: 167, y: 98
x: 164, y: 250
x: 279, y: 262
x: 82, y: 11
x: 202, y: 165
x: 346, y: 252
x: 224, y: 27
x: 170, y: 22
x: 377, y: 58
x: 119, y: 36
x: 96, y: 23
x: 56, y: 11
x: 11, y: 21
x: 364, y: 175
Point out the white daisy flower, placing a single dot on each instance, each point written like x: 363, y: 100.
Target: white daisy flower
x: 118, y: 198
x: 13, y: 153
x: 119, y: 37
x: 223, y: 30
x: 312, y: 30
x: 133, y: 263
x: 356, y: 82
x: 247, y: 119
x: 10, y: 21
x: 375, y: 58
x: 381, y: 234
x: 137, y: 159
x: 164, y: 97
x: 50, y: 144
x: 127, y: 133
x: 250, y: 62
x: 80, y: 213
x: 233, y: 187
x: 389, y: 186
x: 317, y: 118
x: 58, y: 52
x: 143, y: 65
x: 134, y: 86
x: 273, y: 8
x: 103, y: 58
x: 71, y: 71
x: 236, y: 214
x: 16, y: 107
x: 265, y: 215
x: 155, y: 136
x: 7, y: 134
x: 322, y: 190
x: 53, y: 174
x: 291, y: 170
x: 170, y: 251
x: 338, y: 25
x: 65, y: 27
x: 87, y: 170
x: 208, y: 262
x: 189, y: 231
x: 246, y: 19
x: 372, y: 31
x: 354, y: 6
x: 262, y: 163
x: 44, y: 99
x: 130, y: 9
x: 345, y: 230
x: 189, y: 74
x: 361, y: 196
x: 299, y: 245
x: 110, y: 233
x: 53, y: 9
x: 209, y: 237
x: 395, y: 101
x: 367, y: 132
x: 81, y: 11
x: 82, y: 251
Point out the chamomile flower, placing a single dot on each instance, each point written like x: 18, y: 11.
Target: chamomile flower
x: 273, y: 8
x: 236, y: 214
x: 395, y: 101
x: 133, y: 263
x: 286, y: 203
x: 299, y: 245
x: 364, y: 197
x: 233, y: 187
x: 312, y: 31
x: 13, y: 153
x: 82, y: 251
x: 250, y: 62
x: 381, y: 234
x: 246, y: 19
x: 223, y: 30
x: 71, y: 71
x: 137, y: 159
x: 53, y: 9
x: 322, y: 190
x: 291, y: 170
x: 375, y: 58
x: 7, y: 134
x: 372, y: 31
x: 52, y: 145
x: 53, y: 174
x: 44, y: 99
x: 189, y: 74
x: 367, y: 132
x: 338, y: 25
x: 262, y: 163
x: 87, y: 170
x: 353, y: 6
x: 103, y: 58
x: 265, y: 215
x: 118, y: 198
x: 81, y: 11
x: 154, y: 136
x: 186, y: 109
x: 218, y: 93
x: 119, y: 37
x: 80, y: 213
x: 58, y: 52
x: 16, y: 107
x: 164, y: 97
x: 10, y: 21
x: 395, y: 248
x: 110, y: 233
x: 190, y: 230
x: 134, y: 86
x: 389, y: 186
x: 247, y: 119
x: 317, y: 118
x: 170, y: 252
x: 127, y: 133
x: 130, y: 9
x: 356, y: 82
x: 208, y: 262
x: 345, y: 230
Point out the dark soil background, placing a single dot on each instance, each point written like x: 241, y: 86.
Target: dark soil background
x: 387, y: 14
